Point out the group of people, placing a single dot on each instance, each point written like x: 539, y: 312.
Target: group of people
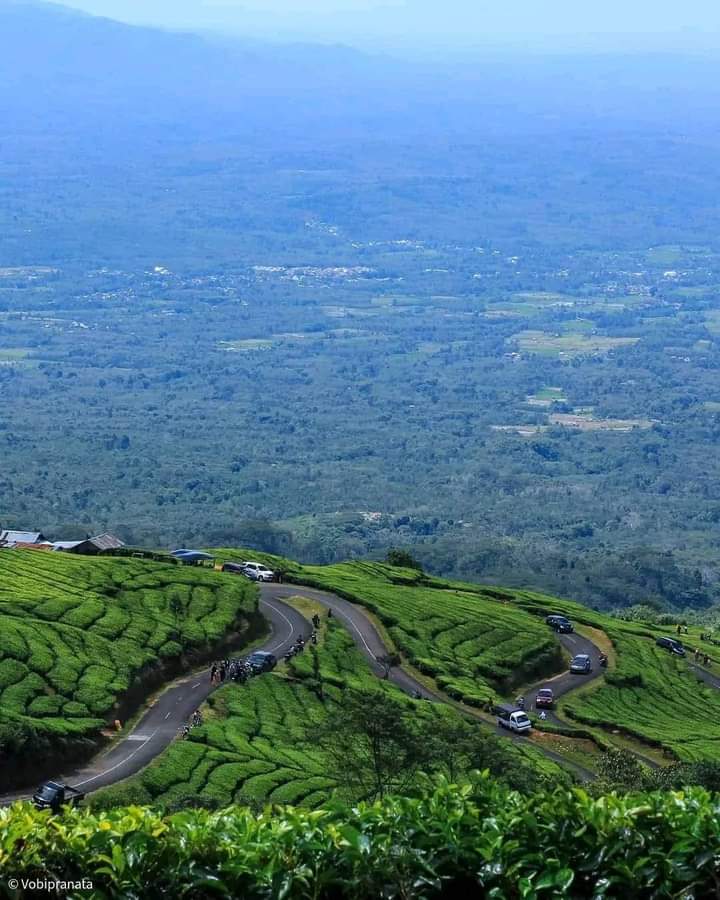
x: 299, y: 644
x: 195, y: 721
x: 238, y: 670
x: 701, y: 657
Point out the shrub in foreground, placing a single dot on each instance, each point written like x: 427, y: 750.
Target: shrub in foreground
x: 476, y: 840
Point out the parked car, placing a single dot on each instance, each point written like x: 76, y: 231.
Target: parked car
x: 513, y: 719
x: 581, y: 664
x: 668, y: 643
x: 544, y: 698
x: 234, y: 568
x: 561, y: 624
x: 54, y: 795
x: 261, y: 661
x: 258, y: 572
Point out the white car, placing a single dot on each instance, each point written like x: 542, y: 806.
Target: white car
x: 258, y: 572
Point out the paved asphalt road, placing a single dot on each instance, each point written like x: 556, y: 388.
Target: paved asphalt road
x: 367, y: 638
x: 562, y: 684
x: 172, y: 709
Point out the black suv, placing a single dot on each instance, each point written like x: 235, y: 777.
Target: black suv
x: 668, y: 643
x: 261, y: 661
x: 561, y: 624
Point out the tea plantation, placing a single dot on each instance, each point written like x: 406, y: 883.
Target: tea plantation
x: 474, y: 646
x: 76, y: 633
x: 475, y: 640
x: 257, y: 745
x: 472, y: 840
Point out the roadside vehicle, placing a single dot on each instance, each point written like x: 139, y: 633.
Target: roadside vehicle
x: 258, y: 572
x: 234, y: 568
x: 581, y: 664
x: 544, y: 698
x: 561, y: 624
x: 513, y: 719
x: 261, y: 661
x: 54, y: 795
x: 668, y: 643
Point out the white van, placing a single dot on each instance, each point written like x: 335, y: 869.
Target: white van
x: 513, y: 719
x: 258, y: 572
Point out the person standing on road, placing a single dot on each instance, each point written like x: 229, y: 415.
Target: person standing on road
x: 213, y: 670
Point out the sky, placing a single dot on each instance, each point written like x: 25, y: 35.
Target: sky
x: 605, y: 24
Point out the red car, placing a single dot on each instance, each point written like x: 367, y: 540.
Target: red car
x: 544, y: 698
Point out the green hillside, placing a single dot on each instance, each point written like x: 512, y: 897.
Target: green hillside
x: 258, y: 741
x: 76, y: 634
x: 476, y: 640
x: 474, y: 646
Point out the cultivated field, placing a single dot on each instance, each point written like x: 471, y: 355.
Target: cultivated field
x: 75, y: 634
x: 257, y: 744
x: 474, y: 646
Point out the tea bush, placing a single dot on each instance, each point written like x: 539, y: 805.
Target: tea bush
x: 76, y: 632
x: 477, y: 839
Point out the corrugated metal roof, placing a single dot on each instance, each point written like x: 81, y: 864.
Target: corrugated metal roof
x: 107, y: 541
x: 66, y: 545
x: 21, y: 537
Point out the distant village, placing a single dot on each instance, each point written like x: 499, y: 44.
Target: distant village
x: 36, y: 540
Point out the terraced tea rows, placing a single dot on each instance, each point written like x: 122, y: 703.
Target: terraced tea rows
x: 76, y: 632
x: 474, y: 639
x: 257, y: 744
x: 473, y: 645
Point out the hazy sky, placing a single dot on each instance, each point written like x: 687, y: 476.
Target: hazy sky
x: 667, y: 23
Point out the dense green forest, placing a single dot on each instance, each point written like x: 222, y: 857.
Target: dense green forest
x: 279, y: 317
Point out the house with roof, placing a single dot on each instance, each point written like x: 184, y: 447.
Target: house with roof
x: 90, y: 546
x: 10, y: 538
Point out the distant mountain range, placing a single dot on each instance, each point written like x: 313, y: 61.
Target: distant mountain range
x: 62, y: 67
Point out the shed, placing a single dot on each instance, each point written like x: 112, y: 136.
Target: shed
x: 11, y: 538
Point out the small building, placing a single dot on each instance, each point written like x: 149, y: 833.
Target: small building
x: 90, y: 546
x: 12, y: 538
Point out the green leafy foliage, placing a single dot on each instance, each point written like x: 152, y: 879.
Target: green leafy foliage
x: 474, y: 839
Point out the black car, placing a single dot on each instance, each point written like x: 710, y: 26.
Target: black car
x: 561, y: 624
x: 261, y: 661
x: 668, y: 643
x: 234, y: 568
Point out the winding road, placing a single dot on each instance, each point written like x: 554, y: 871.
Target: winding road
x: 567, y: 681
x: 367, y: 638
x: 164, y: 718
x: 162, y: 721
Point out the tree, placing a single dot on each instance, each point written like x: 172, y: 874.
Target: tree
x: 403, y: 559
x: 373, y: 744
x: 388, y: 661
